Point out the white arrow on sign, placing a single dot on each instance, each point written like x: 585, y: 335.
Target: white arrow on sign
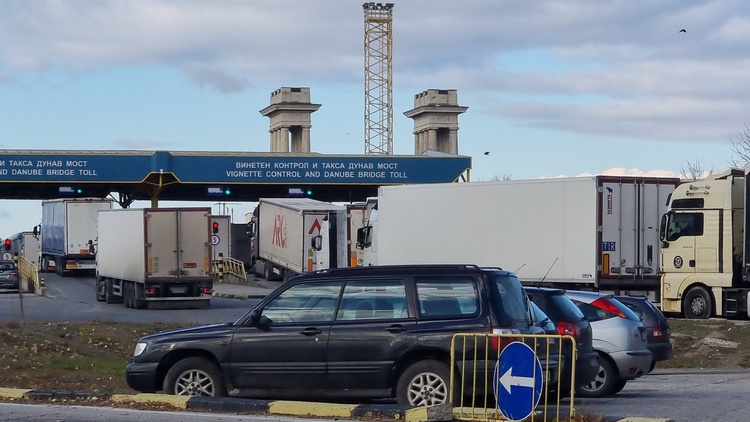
x: 508, y: 379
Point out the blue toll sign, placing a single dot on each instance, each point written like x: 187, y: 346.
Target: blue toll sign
x: 518, y: 381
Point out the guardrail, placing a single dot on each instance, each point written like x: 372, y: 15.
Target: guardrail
x: 27, y: 271
x: 226, y: 266
x: 507, y: 376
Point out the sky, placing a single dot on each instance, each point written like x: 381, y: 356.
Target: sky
x: 553, y: 88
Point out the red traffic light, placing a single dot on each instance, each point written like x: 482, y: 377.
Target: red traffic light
x: 7, y: 244
x: 216, y: 227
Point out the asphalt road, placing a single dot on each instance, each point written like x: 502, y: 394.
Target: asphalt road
x: 73, y: 299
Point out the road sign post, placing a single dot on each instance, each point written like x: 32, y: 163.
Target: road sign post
x: 518, y: 381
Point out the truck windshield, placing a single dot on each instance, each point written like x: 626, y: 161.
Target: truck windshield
x: 513, y: 309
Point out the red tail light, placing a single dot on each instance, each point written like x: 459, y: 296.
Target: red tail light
x: 150, y: 292
x: 605, y: 304
x: 568, y: 329
x: 13, y: 273
x: 206, y: 291
x: 658, y: 333
x: 499, y: 343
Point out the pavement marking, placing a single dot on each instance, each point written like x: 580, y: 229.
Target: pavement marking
x: 13, y: 393
x: 301, y: 408
x: 179, y: 402
x: 637, y: 419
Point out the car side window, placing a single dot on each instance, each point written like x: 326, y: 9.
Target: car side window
x: 302, y: 303
x: 373, y: 300
x: 447, y: 297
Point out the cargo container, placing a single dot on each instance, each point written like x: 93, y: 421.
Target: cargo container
x: 296, y: 235
x: 598, y: 232
x: 155, y: 257
x: 69, y: 233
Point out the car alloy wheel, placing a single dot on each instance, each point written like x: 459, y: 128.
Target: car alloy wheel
x: 425, y: 383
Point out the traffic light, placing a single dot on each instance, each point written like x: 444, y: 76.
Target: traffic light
x: 7, y: 244
x: 308, y: 192
x: 215, y: 227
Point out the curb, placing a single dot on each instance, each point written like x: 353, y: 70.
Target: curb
x: 439, y: 413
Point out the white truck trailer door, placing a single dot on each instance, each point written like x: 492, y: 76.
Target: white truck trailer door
x: 161, y: 235
x: 316, y: 225
x: 194, y: 240
x: 619, y: 215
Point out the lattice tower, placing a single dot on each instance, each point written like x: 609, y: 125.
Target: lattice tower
x: 378, y: 79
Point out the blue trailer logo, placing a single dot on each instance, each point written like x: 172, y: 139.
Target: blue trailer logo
x: 609, y: 246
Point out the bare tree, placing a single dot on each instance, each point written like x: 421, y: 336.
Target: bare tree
x: 693, y: 170
x: 740, y: 148
x: 495, y: 178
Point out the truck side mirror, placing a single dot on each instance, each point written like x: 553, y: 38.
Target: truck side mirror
x: 250, y: 229
x: 317, y: 242
x: 663, y: 227
x: 36, y: 231
x: 364, y: 237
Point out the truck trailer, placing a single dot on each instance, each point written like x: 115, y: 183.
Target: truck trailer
x: 705, y: 248
x: 68, y: 233
x: 155, y: 257
x: 291, y: 236
x: 597, y: 233
x: 25, y: 245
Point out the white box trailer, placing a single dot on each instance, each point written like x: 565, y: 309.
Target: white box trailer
x: 68, y: 233
x: 297, y: 235
x: 155, y: 257
x: 585, y: 232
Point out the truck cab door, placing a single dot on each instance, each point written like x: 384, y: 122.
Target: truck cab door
x: 686, y: 249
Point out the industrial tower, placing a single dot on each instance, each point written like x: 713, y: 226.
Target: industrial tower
x: 378, y: 83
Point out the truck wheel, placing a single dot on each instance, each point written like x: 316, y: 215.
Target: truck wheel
x: 195, y: 377
x: 139, y: 301
x: 127, y: 294
x: 423, y: 384
x: 604, y: 384
x: 267, y: 271
x: 99, y: 290
x: 44, y: 265
x: 108, y: 296
x: 697, y: 304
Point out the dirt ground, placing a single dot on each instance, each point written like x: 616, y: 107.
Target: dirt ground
x: 91, y: 357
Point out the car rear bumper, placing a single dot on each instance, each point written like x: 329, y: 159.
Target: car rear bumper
x: 660, y: 351
x: 632, y: 363
x: 142, y: 377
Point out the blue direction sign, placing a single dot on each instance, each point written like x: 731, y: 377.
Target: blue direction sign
x: 518, y: 381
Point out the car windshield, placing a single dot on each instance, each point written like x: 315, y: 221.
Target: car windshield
x: 514, y: 310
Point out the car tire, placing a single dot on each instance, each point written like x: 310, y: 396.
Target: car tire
x: 698, y: 304
x: 605, y: 382
x: 619, y: 386
x: 108, y: 296
x: 424, y: 383
x: 195, y: 377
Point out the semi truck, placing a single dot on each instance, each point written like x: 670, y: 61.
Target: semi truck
x: 68, y: 233
x: 155, y: 258
x: 595, y: 233
x: 291, y: 236
x: 25, y: 245
x: 705, y: 248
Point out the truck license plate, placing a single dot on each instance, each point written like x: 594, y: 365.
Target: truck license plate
x: 179, y: 290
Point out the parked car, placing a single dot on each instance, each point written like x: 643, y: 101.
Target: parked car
x: 8, y: 275
x: 568, y: 320
x: 347, y: 333
x: 657, y: 327
x: 619, y: 338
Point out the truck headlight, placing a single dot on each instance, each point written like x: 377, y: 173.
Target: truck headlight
x: 139, y: 348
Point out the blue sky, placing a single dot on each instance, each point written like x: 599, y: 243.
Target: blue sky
x: 554, y: 88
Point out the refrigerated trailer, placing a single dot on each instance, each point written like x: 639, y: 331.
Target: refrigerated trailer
x: 598, y: 232
x: 155, y: 257
x: 291, y: 236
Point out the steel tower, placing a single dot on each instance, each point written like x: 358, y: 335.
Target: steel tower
x: 378, y: 82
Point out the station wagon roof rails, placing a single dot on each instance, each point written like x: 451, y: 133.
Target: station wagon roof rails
x: 405, y: 267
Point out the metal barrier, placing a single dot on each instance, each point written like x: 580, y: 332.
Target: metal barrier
x: 512, y: 376
x: 28, y: 272
x: 232, y: 267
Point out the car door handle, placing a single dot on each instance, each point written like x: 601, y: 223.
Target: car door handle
x: 396, y: 329
x: 312, y: 331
